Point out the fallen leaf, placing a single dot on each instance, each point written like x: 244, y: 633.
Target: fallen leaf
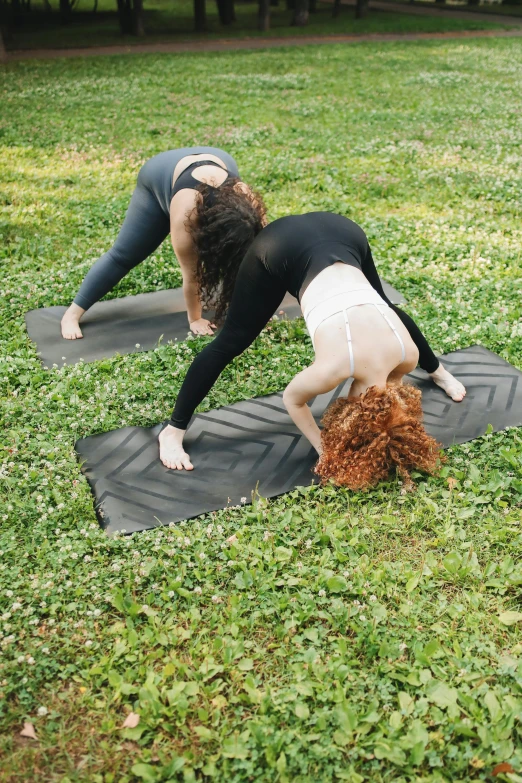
x: 28, y: 731
x: 452, y: 482
x: 131, y: 721
x: 510, y: 618
x: 232, y: 539
x: 502, y: 768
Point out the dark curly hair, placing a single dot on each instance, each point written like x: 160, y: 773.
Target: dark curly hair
x: 365, y: 437
x: 223, y: 225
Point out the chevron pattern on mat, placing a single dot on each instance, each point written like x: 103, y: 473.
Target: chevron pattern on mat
x: 254, y: 445
x: 118, y: 326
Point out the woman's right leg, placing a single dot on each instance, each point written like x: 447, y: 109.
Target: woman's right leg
x: 145, y: 227
x: 427, y: 359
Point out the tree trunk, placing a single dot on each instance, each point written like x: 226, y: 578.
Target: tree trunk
x: 300, y: 13
x: 65, y: 11
x: 336, y: 8
x: 124, y: 17
x: 3, y: 53
x: 226, y: 11
x: 263, y: 15
x: 200, y: 16
x: 138, y: 27
x: 361, y: 9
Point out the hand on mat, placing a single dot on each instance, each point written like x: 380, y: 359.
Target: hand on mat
x: 71, y: 323
x: 448, y: 383
x: 172, y: 453
x: 202, y: 326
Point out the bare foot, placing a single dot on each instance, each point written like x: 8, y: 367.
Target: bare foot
x: 202, y: 326
x: 448, y: 383
x: 172, y: 453
x: 71, y: 323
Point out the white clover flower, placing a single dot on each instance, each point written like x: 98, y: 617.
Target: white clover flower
x: 403, y: 646
x: 89, y: 643
x: 308, y: 544
x: 202, y: 555
x: 20, y: 659
x: 45, y: 650
x: 362, y: 618
x: 322, y: 593
x: 266, y: 535
x: 171, y: 594
x: 243, y: 500
x: 97, y: 612
x: 216, y: 599
x: 42, y: 711
x: 30, y: 659
x: 198, y: 590
x: 9, y: 593
x: 373, y: 598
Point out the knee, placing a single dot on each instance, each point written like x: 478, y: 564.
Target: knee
x: 117, y: 257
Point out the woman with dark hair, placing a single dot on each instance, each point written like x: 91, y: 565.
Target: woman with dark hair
x: 325, y: 261
x: 177, y: 190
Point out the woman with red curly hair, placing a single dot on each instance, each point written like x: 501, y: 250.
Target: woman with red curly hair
x: 325, y: 261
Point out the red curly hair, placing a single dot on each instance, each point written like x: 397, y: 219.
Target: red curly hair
x: 365, y: 437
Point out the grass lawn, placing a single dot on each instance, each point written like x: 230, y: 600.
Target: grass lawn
x: 173, y: 20
x: 336, y: 636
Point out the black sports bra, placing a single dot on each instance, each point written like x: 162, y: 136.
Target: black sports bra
x: 187, y: 180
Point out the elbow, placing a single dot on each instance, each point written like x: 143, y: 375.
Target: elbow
x: 289, y: 400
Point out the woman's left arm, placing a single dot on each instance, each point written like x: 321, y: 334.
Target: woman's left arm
x: 185, y: 251
x: 304, y: 387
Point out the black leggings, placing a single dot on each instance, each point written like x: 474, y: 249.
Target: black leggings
x: 257, y: 295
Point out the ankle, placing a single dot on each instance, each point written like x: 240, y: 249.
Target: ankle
x: 441, y: 370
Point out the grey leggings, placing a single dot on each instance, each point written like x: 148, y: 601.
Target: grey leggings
x: 146, y: 223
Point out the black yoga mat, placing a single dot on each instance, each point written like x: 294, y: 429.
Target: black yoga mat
x: 254, y: 444
x: 127, y: 325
